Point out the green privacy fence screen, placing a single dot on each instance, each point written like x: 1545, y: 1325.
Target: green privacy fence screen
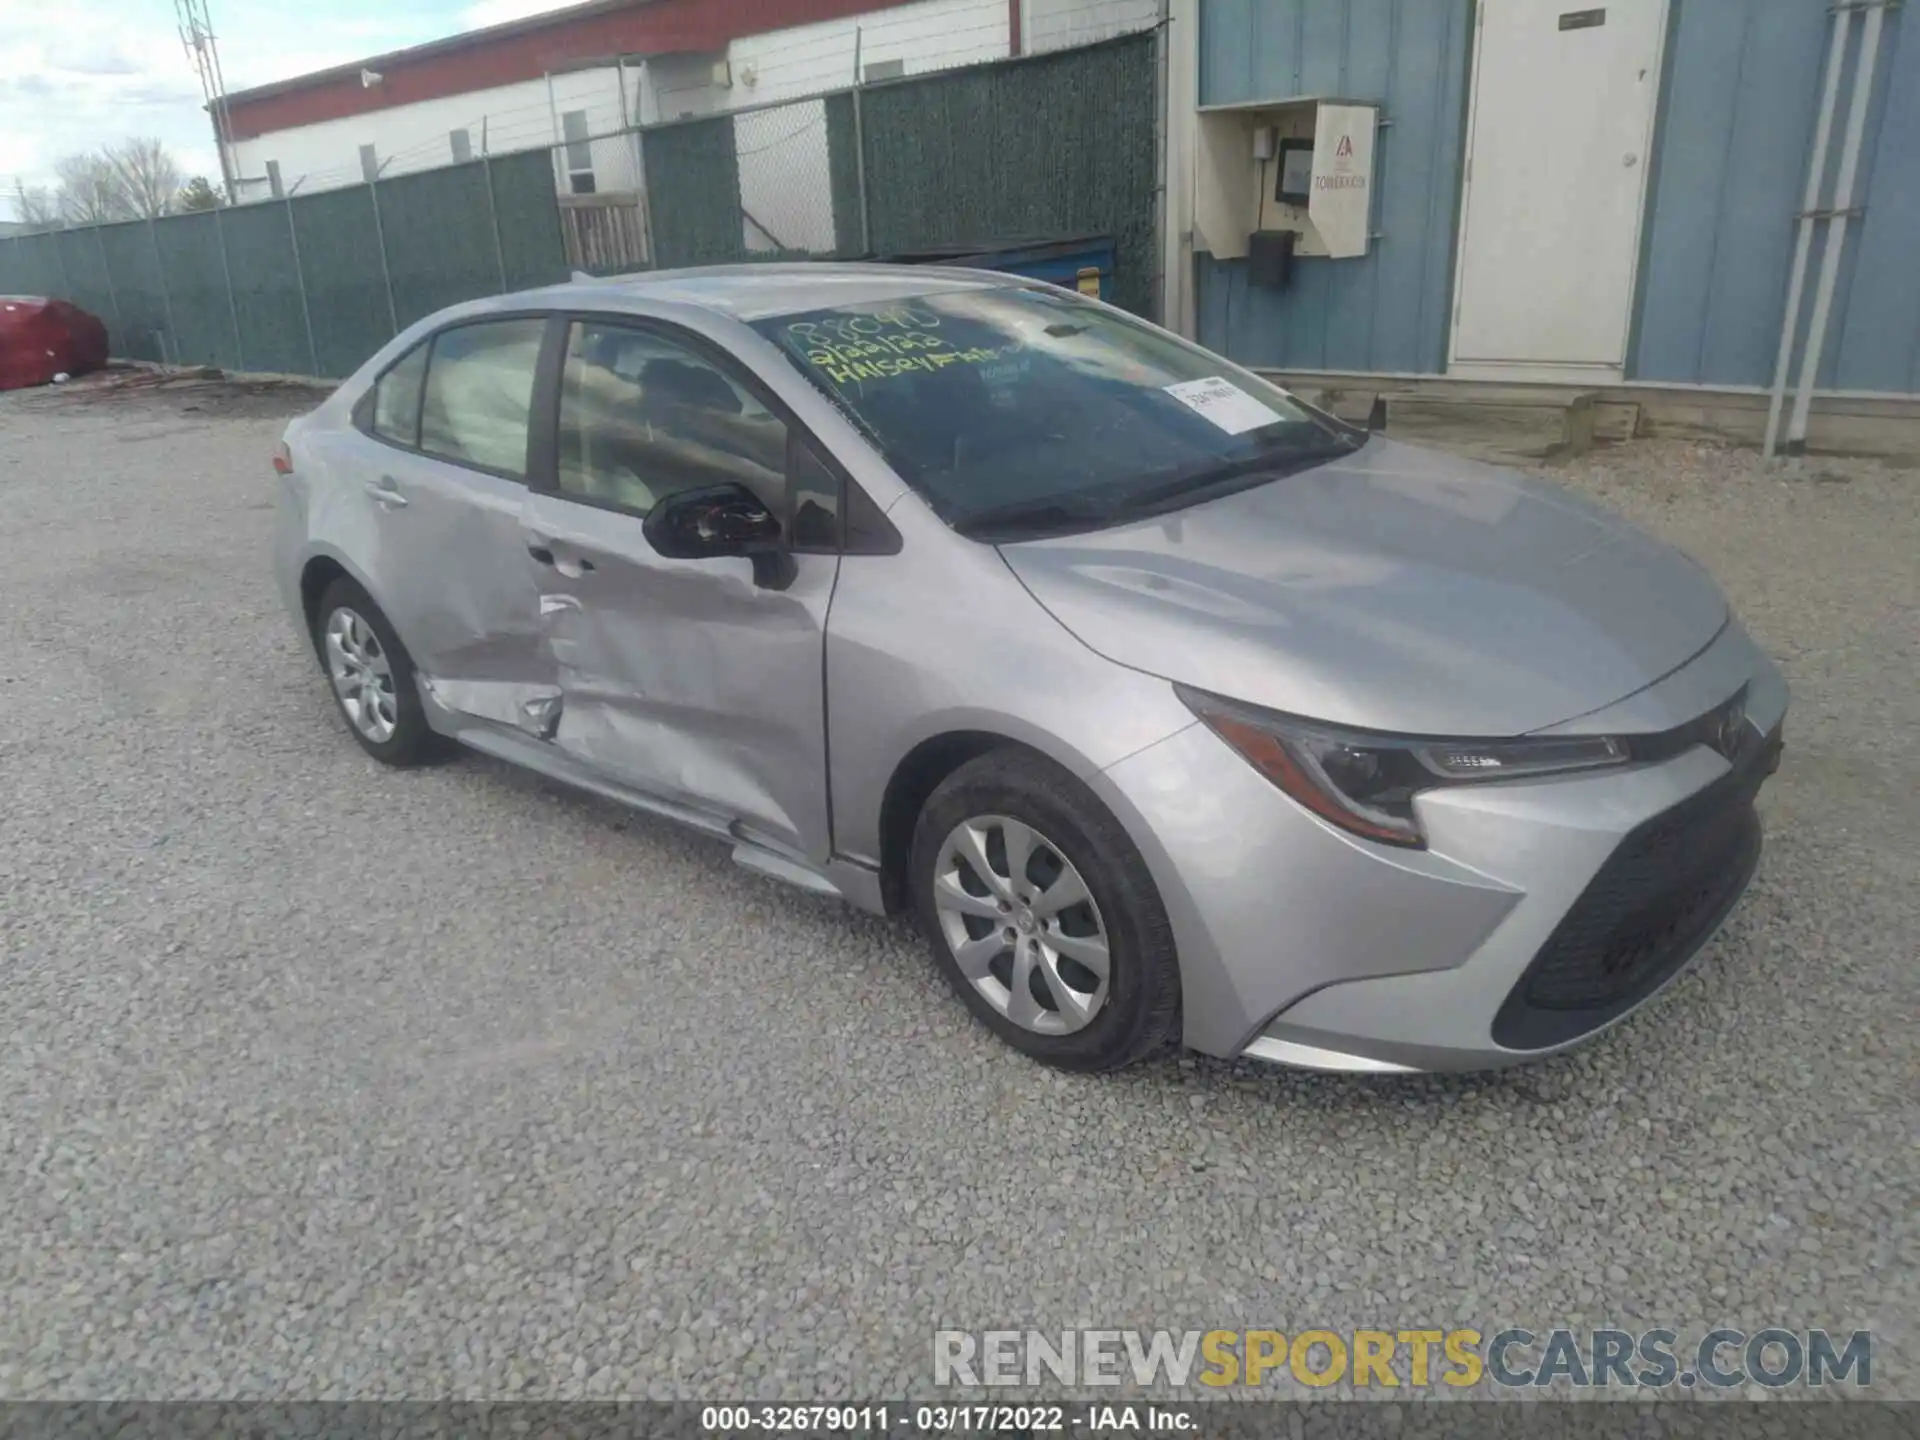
x: 309, y: 285
x: 1059, y: 145
x: 1047, y: 147
x: 693, y: 181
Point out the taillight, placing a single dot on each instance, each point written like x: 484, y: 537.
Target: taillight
x: 282, y: 459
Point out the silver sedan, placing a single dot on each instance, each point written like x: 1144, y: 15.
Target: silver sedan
x: 1174, y: 710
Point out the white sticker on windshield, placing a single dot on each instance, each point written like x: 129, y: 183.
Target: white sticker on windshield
x: 1224, y: 403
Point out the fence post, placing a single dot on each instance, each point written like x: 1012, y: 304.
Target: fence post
x: 639, y: 133
x: 166, y: 293
x: 60, y: 255
x: 380, y: 240
x: 300, y: 284
x: 226, y: 277
x: 113, y: 291
x: 493, y: 223
x: 860, y: 172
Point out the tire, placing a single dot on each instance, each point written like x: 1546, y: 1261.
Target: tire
x: 399, y: 735
x: 1132, y: 1012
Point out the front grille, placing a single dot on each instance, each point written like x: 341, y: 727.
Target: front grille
x: 1655, y: 901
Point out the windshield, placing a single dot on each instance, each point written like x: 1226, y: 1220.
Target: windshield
x: 1018, y: 411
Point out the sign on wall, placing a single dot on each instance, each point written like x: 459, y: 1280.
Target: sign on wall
x: 1341, y: 201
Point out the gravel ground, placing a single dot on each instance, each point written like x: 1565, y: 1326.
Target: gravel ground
x: 328, y: 1081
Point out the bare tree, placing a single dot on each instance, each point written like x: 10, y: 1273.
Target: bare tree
x: 146, y: 176
x: 35, y: 205
x: 89, y: 191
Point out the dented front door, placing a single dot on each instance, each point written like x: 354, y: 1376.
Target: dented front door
x: 685, y: 678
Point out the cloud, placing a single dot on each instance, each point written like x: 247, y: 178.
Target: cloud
x: 90, y: 55
x: 65, y: 86
x: 160, y: 92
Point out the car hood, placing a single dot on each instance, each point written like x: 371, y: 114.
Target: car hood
x: 1392, y: 589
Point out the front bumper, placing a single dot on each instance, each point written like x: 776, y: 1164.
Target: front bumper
x: 1541, y: 912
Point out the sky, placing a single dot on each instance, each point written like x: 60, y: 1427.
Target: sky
x: 86, y: 73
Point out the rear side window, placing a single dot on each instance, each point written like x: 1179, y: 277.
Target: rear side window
x: 396, y: 400
x: 479, y: 394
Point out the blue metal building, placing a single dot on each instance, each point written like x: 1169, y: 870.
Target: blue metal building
x: 1559, y: 193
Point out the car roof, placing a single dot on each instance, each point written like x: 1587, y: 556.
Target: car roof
x: 754, y: 292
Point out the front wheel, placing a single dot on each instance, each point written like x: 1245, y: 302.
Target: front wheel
x: 1041, y: 914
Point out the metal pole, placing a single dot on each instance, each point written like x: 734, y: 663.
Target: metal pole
x: 1162, y: 61
x: 860, y: 175
x: 1837, y: 230
x: 380, y: 239
x: 493, y: 224
x: 113, y: 292
x: 554, y: 155
x: 1183, y: 97
x: 639, y: 134
x: 1803, y: 242
x: 233, y: 305
x: 166, y: 292
x: 60, y: 258
x: 860, y: 152
x: 300, y: 284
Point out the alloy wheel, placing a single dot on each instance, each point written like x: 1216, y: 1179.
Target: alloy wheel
x: 1022, y: 925
x: 362, y: 675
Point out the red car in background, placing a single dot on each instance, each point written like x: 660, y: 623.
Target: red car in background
x: 41, y: 338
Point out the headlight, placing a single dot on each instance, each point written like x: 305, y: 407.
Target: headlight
x: 1366, y: 783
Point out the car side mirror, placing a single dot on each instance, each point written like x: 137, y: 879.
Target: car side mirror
x: 712, y: 521
x: 720, y: 520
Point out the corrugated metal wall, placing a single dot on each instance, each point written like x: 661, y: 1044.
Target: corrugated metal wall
x: 1388, y: 310
x: 1735, y: 130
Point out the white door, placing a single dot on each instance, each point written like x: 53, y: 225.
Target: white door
x: 1557, y: 152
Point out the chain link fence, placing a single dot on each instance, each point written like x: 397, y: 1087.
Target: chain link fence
x: 1054, y: 146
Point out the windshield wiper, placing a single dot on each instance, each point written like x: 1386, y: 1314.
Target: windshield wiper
x: 1066, y: 514
x: 1214, y: 480
x: 1046, y: 515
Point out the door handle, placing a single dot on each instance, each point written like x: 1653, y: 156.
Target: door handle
x: 544, y: 554
x: 387, y: 493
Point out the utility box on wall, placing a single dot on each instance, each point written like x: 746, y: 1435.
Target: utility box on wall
x: 1298, y: 172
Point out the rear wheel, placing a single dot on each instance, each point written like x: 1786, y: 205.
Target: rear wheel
x: 1041, y: 914
x: 372, y: 677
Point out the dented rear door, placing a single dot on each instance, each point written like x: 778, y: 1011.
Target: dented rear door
x: 437, y: 485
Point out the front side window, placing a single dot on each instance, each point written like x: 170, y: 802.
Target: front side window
x: 479, y: 394
x: 396, y: 399
x: 1018, y: 409
x: 643, y: 417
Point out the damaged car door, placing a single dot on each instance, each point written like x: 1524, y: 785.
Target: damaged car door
x: 445, y: 492
x: 688, y: 668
